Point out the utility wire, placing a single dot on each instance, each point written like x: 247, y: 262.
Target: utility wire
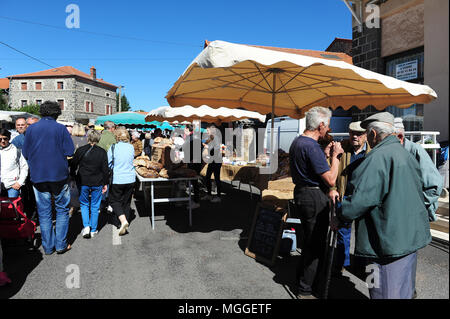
x: 31, y: 57
x: 100, y: 34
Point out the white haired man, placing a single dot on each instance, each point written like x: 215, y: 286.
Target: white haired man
x: 386, y: 202
x: 313, y: 177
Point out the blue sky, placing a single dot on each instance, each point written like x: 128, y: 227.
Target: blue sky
x: 157, y: 40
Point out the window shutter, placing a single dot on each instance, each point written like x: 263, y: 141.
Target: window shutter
x: 24, y: 86
x: 87, y: 106
x: 38, y: 86
x: 61, y: 104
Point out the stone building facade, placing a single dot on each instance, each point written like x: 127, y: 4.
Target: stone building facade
x: 411, y: 44
x: 82, y: 97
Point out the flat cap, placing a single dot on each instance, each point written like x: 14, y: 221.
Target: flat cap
x: 398, y: 123
x: 356, y: 127
x: 385, y: 117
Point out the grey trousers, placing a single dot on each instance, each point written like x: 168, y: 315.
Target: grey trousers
x: 392, y: 278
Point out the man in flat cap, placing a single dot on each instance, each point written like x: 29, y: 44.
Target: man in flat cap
x: 388, y: 207
x: 433, y: 181
x: 355, y: 148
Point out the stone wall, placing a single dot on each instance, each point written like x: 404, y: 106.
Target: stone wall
x: 402, y: 31
x: 74, y: 95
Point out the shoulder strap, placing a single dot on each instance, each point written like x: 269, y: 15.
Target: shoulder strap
x: 86, y: 153
x: 18, y: 154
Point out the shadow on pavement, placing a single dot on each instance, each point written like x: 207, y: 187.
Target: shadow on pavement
x: 234, y: 212
x: 19, y: 260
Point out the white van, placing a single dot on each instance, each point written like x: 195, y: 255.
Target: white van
x: 286, y: 129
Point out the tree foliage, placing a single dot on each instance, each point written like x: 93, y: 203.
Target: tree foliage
x: 30, y: 108
x: 4, y: 101
x: 125, y: 104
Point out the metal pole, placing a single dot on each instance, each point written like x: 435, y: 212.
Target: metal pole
x: 273, y: 111
x: 120, y: 99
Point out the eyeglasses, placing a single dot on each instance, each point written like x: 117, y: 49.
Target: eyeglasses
x: 4, y: 139
x: 357, y: 133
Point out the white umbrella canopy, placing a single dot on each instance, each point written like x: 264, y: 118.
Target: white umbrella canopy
x: 203, y: 113
x: 267, y: 81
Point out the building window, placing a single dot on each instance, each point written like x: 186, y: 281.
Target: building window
x: 61, y: 104
x: 38, y: 102
x: 89, y: 106
x: 88, y: 90
x: 407, y: 66
x: 24, y: 103
x: 60, y: 85
x: 38, y: 86
x: 24, y: 86
x: 108, y: 109
x: 107, y: 94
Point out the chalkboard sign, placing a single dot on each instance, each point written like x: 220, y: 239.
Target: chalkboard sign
x: 265, y: 235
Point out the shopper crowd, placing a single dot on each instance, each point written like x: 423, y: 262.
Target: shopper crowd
x: 379, y: 181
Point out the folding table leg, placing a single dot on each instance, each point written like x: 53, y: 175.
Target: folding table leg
x: 153, y: 204
x: 190, y: 202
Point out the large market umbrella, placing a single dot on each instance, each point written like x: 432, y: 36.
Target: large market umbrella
x: 123, y: 118
x: 268, y: 81
x: 203, y: 113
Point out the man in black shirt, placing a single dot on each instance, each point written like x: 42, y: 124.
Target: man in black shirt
x: 312, y: 177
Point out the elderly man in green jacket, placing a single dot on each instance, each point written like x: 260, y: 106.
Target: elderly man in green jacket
x: 387, y: 204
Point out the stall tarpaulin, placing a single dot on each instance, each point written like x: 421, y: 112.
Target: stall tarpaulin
x: 268, y: 81
x: 203, y: 113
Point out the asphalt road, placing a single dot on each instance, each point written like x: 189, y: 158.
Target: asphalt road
x: 206, y: 261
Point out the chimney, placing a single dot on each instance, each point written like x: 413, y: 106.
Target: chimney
x: 93, y: 73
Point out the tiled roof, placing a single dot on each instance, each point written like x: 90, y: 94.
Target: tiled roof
x: 61, y: 71
x: 336, y: 56
x: 4, y: 84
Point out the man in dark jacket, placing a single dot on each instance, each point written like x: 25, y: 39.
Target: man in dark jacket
x: 46, y: 148
x: 387, y: 204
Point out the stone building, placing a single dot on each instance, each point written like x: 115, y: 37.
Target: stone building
x: 82, y: 96
x: 408, y: 42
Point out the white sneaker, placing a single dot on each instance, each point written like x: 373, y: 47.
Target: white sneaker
x: 94, y: 233
x: 207, y: 197
x: 216, y: 200
x: 194, y: 205
x: 86, y: 232
x: 123, y: 229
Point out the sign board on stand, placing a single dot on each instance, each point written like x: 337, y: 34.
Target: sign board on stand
x: 265, y: 234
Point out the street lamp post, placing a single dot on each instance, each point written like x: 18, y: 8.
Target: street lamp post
x: 120, y: 97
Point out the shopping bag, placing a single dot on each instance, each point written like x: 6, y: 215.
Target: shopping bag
x: 74, y: 195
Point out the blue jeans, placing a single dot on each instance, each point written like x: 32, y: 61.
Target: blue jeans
x: 53, y: 238
x: 96, y: 198
x: 12, y: 193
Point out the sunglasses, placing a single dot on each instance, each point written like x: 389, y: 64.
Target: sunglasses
x: 4, y: 139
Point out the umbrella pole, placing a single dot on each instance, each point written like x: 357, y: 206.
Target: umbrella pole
x: 272, y: 117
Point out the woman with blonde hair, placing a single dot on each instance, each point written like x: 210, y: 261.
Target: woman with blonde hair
x: 79, y: 137
x: 120, y: 159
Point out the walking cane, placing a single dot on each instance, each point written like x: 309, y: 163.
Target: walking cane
x: 331, y: 245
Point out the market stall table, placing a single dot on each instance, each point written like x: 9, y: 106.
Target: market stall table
x: 247, y: 174
x: 153, y: 200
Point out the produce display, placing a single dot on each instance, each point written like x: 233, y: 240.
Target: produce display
x: 161, y: 166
